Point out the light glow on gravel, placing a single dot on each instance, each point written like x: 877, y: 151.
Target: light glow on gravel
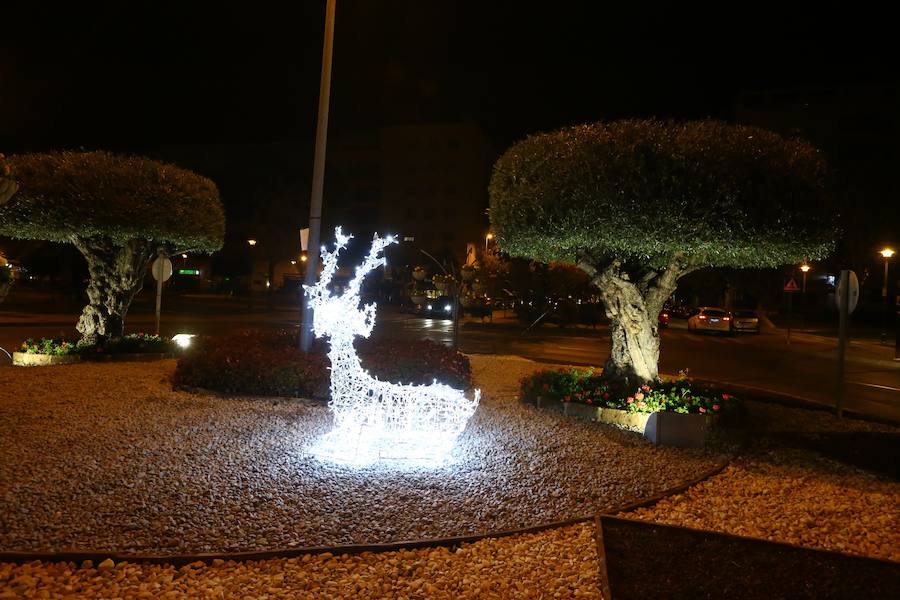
x: 377, y: 421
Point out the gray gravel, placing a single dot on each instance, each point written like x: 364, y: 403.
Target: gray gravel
x: 108, y: 457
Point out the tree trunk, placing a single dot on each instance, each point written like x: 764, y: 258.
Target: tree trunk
x: 116, y: 275
x: 633, y: 310
x: 634, y: 357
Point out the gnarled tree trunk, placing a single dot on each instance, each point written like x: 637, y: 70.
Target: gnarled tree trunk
x: 633, y: 309
x: 116, y: 275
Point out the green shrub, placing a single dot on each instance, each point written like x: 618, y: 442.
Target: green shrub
x: 271, y: 364
x: 132, y: 343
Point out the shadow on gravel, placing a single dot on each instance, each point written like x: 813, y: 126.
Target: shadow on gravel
x: 645, y: 560
x: 874, y: 451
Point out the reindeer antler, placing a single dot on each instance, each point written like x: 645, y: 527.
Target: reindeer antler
x: 372, y: 262
x: 319, y: 292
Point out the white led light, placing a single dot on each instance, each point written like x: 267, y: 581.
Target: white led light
x: 377, y: 420
x: 183, y: 339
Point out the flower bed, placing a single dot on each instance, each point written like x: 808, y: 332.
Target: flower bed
x: 587, y: 386
x: 271, y: 364
x: 59, y: 351
x: 674, y: 412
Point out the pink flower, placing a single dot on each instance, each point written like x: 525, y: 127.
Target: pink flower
x: 645, y: 387
x: 639, y: 396
x: 642, y: 404
x: 716, y: 407
x: 630, y: 400
x: 589, y: 401
x: 726, y: 397
x: 567, y: 398
x: 703, y: 410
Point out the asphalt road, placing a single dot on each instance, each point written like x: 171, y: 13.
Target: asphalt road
x: 805, y: 368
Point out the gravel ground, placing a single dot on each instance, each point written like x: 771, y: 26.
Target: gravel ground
x: 107, y: 457
x: 559, y: 563
x: 780, y: 493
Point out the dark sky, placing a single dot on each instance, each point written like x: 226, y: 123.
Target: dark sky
x: 135, y: 74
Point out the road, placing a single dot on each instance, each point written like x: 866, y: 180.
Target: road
x: 805, y: 368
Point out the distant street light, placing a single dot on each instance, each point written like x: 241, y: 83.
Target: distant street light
x: 887, y: 253
x: 251, y: 241
x: 487, y: 238
x: 805, y: 268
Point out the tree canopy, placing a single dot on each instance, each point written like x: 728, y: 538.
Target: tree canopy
x: 64, y: 195
x: 644, y: 190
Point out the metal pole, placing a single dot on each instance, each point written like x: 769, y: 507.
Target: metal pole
x: 318, y: 183
x: 790, y: 306
x: 843, y: 305
x: 884, y: 301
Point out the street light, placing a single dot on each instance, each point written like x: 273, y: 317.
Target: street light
x: 251, y: 241
x: 805, y: 268
x: 887, y: 253
x: 487, y: 238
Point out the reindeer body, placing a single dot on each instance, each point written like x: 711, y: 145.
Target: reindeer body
x: 396, y: 418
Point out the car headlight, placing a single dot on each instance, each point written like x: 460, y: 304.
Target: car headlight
x: 448, y: 308
x: 429, y: 307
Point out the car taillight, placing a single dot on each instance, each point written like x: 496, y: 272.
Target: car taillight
x: 702, y: 317
x: 726, y: 318
x: 665, y: 315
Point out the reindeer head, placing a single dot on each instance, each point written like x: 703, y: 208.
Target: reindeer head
x: 340, y: 315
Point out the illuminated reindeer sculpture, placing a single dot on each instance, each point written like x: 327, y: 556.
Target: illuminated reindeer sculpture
x: 388, y: 420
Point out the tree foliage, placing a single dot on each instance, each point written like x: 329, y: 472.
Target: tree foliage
x: 642, y: 191
x: 67, y: 195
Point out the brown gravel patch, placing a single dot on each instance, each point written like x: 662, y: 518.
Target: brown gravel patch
x: 108, y: 457
x: 560, y: 563
x: 787, y: 494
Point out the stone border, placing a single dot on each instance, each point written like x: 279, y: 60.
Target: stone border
x: 450, y: 542
x: 24, y: 359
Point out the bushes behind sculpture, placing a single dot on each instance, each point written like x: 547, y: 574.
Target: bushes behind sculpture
x: 271, y: 364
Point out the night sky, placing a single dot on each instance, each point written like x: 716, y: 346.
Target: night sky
x: 125, y: 74
x: 132, y: 76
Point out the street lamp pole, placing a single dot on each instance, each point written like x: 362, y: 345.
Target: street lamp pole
x: 318, y: 183
x: 487, y: 238
x: 887, y: 253
x: 805, y: 269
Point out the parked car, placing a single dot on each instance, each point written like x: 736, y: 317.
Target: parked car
x: 745, y: 320
x: 709, y: 318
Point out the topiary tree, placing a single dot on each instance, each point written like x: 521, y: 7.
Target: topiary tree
x: 637, y: 204
x: 118, y: 211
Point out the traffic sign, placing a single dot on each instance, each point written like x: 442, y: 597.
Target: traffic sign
x: 161, y: 269
x: 791, y: 286
x: 853, y: 296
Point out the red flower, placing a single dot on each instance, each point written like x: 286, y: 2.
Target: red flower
x: 567, y: 398
x: 606, y: 395
x: 716, y: 407
x: 703, y: 410
x: 589, y: 401
x: 726, y: 397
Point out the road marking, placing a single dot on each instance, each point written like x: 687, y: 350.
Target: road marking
x: 875, y: 385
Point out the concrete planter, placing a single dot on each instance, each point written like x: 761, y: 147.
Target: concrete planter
x: 665, y: 428
x: 21, y: 359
